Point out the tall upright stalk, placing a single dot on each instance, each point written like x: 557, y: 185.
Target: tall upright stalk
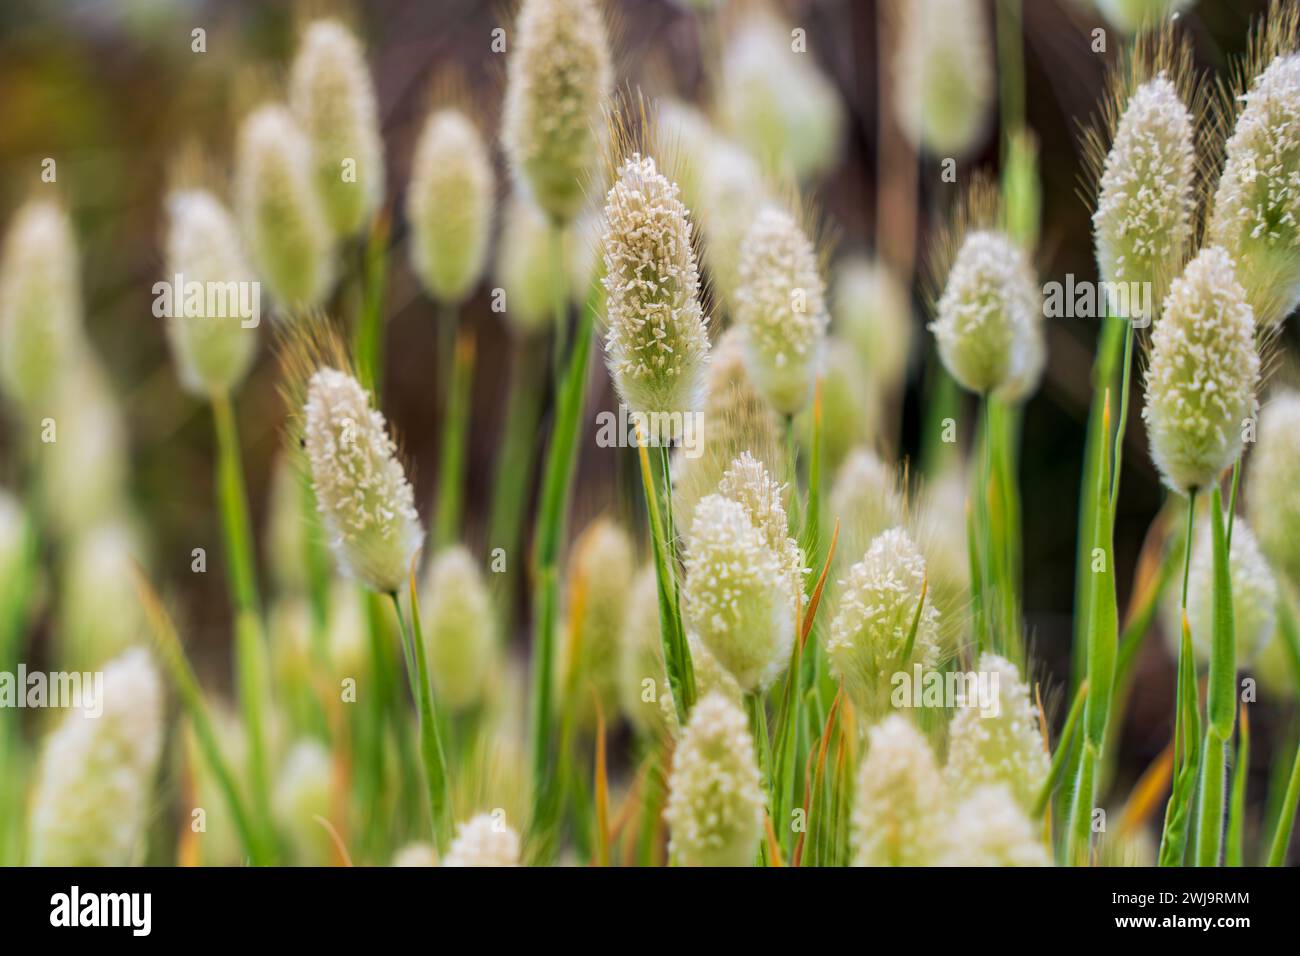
x: 455, y: 433
x: 1221, y: 703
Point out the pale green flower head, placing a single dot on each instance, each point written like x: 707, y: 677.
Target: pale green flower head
x: 364, y: 499
x: 214, y: 349
x: 1143, y: 221
x: 333, y: 98
x: 449, y: 205
x: 643, y: 678
x: 866, y: 500
x: 415, y: 854
x: 94, y: 783
x: 943, y: 80
x: 748, y: 482
x: 997, y: 740
x: 851, y: 409
x: 990, y: 828
x: 1271, y: 483
x: 458, y: 628
x: 871, y: 311
x: 100, y: 615
x: 1138, y: 16
x: 484, y: 840
x: 736, y: 595
x: 303, y: 791
x: 715, y: 798
x: 13, y: 542
x: 1202, y: 373
x: 523, y: 267
x: 780, y: 306
x: 873, y: 618
x: 656, y: 342
x: 279, y: 208
x: 898, y: 806
x: 989, y: 326
x: 557, y: 82
x: 40, y: 302
x: 600, y: 579
x: 1256, y: 212
x: 731, y: 193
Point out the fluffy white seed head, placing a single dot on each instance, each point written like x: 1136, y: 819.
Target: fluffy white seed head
x: 643, y: 679
x: 1202, y: 374
x: 1256, y: 214
x: 1136, y: 16
x: 781, y: 309
x: 715, y: 799
x: 303, y: 793
x: 95, y: 778
x: 416, y: 854
x: 656, y: 342
x: 998, y: 740
x: 851, y: 408
x: 731, y: 192
x: 943, y: 79
x: 40, y: 302
x: 898, y: 805
x: 775, y: 101
x: 1254, y: 595
x: 748, y: 482
x: 557, y: 81
x: 736, y: 595
x: 990, y: 828
x: 523, y: 266
x: 457, y: 615
x: 279, y: 208
x: 1272, y: 481
x: 990, y: 318
x: 600, y: 577
x: 873, y: 618
x: 365, y: 501
x: 872, y: 313
x: 1143, y: 221
x: 99, y: 610
x: 333, y: 98
x: 484, y: 840
x: 449, y: 205
x: 866, y: 500
x: 213, y: 349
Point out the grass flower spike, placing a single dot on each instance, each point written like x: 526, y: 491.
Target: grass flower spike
x: 91, y: 802
x: 656, y: 342
x: 333, y: 98
x: 1135, y: 16
x: 1256, y: 213
x: 600, y: 575
x: 40, y: 302
x: 279, y: 208
x: 944, y: 76
x: 1202, y: 375
x: 557, y: 79
x: 1271, y: 483
x: 457, y: 614
x: 1254, y: 596
x: 364, y: 498
x: 998, y: 740
x: 898, y: 811
x: 485, y: 840
x: 303, y: 793
x: 449, y: 205
x: 212, y: 351
x: 989, y: 828
x: 523, y: 266
x: 715, y: 801
x: 781, y: 309
x: 872, y: 312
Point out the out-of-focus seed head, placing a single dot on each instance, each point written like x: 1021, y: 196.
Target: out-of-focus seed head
x: 656, y: 342
x: 1136, y: 16
x: 449, y: 205
x: 1143, y: 221
x: 1254, y: 595
x: 763, y: 498
x: 279, y: 208
x: 781, y: 309
x: 938, y: 525
x: 997, y: 740
x: 873, y: 618
x: 600, y: 578
x: 286, y: 532
x: 13, y: 543
x: 866, y: 500
x: 731, y: 192
x: 1271, y: 483
x: 989, y: 325
x: 303, y: 793
x: 775, y: 101
x: 643, y: 679
x: 333, y: 98
x: 40, y: 302
x: 558, y: 80
x: 416, y: 854
x: 95, y: 778
x: 1256, y: 212
x: 1202, y: 373
x: 736, y: 595
x: 898, y: 810
x: 99, y: 611
x: 989, y: 828
x: 347, y: 638
x: 872, y: 313
x: 485, y: 840
x: 213, y: 349
x: 365, y: 501
x: 715, y: 799
x: 943, y: 77
x: 457, y: 614
x: 851, y: 409
x: 524, y: 267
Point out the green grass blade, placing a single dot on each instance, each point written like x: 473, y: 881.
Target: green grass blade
x: 1234, y: 852
x: 1286, y: 817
